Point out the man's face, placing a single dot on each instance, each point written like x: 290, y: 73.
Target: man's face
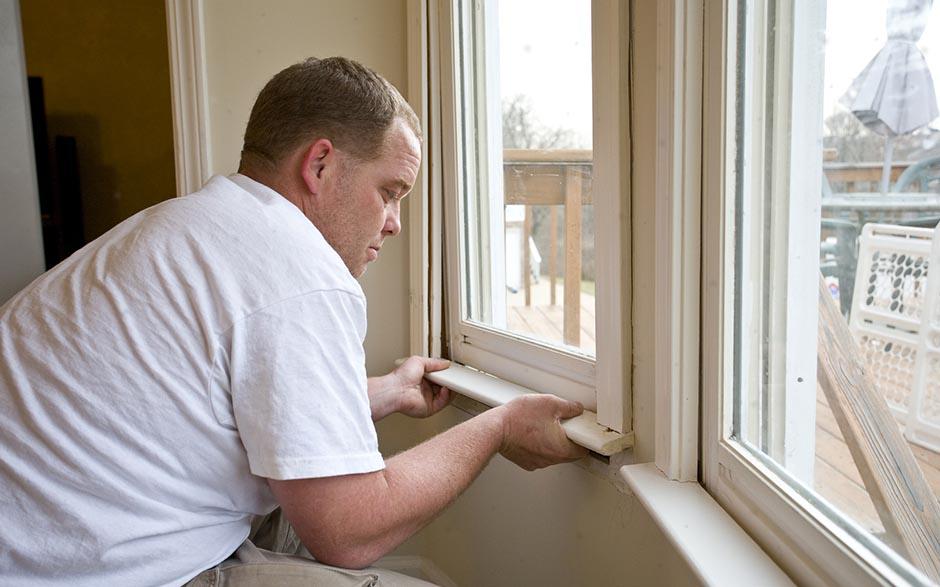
x: 361, y: 206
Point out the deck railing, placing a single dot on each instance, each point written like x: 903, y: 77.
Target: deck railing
x: 554, y: 178
x: 564, y: 178
x: 860, y: 177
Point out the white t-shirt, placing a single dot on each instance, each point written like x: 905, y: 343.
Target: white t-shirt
x: 150, y: 381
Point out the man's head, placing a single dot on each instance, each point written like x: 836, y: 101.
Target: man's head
x: 334, y: 98
x: 341, y: 143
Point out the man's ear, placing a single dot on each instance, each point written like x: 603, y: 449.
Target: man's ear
x: 320, y: 154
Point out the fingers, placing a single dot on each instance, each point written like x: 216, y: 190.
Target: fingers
x: 441, y: 398
x: 570, y: 409
x: 576, y: 452
x: 540, y: 440
x: 431, y: 364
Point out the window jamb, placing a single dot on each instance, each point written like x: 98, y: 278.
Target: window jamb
x: 676, y: 240
x: 419, y: 203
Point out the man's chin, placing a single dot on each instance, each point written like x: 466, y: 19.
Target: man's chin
x: 359, y: 271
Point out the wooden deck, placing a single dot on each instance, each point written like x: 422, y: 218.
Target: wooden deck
x: 837, y: 479
x: 546, y: 322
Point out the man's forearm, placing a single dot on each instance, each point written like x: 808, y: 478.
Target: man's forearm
x: 353, y: 520
x: 421, y: 482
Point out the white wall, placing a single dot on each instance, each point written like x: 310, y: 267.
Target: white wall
x: 561, y: 526
x: 21, y: 253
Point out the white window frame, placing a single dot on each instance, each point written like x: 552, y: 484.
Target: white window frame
x: 684, y: 363
x: 602, y: 385
x: 795, y: 528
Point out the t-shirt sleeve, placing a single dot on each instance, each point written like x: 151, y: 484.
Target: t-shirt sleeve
x: 298, y: 386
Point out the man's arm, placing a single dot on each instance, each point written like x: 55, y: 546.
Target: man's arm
x: 353, y: 520
x: 406, y: 390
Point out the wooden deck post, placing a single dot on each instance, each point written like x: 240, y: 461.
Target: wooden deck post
x: 572, y: 311
x: 904, y: 501
x: 553, y: 251
x: 526, y: 260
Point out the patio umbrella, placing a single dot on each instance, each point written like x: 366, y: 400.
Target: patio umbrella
x: 894, y: 95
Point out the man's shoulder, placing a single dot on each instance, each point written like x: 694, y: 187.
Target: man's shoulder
x: 249, y: 225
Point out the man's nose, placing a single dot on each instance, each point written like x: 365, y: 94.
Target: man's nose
x: 392, y: 220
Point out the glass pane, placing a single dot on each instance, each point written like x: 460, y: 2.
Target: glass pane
x: 837, y: 203
x: 527, y: 214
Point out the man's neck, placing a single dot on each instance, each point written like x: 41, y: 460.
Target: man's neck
x: 276, y: 180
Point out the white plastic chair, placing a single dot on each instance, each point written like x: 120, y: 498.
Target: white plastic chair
x: 895, y: 319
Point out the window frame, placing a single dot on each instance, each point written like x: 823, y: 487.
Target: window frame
x: 792, y: 525
x: 602, y: 385
x: 682, y: 365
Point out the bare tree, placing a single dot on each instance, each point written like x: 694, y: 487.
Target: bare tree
x: 854, y: 143
x: 522, y: 130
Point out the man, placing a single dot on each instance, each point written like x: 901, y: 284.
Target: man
x: 201, y: 364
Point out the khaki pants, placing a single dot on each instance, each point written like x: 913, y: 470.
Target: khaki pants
x: 273, y: 555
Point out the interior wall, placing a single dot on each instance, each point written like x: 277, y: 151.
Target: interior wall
x: 556, y: 527
x: 246, y: 43
x: 561, y: 526
x: 21, y: 254
x: 105, y: 69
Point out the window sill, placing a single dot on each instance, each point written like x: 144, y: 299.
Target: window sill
x: 718, y: 551
x: 491, y: 391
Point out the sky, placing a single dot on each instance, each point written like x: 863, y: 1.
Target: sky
x: 545, y: 54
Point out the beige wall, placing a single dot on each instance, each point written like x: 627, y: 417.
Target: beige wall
x: 105, y: 69
x: 562, y: 526
x: 247, y: 42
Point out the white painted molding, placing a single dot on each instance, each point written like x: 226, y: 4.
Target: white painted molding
x: 678, y: 245
x: 610, y: 29
x: 21, y: 247
x: 717, y: 550
x: 186, y: 41
x: 418, y: 201
x: 486, y: 389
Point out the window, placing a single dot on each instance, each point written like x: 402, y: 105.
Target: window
x: 534, y: 196
x: 820, y: 425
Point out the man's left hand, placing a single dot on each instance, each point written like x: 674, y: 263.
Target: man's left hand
x: 406, y: 390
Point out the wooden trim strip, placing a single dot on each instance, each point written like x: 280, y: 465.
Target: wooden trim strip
x: 491, y: 391
x: 902, y: 497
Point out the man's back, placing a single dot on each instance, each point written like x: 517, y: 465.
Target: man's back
x: 116, y: 459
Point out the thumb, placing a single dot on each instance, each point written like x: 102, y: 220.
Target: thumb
x: 431, y: 365
x: 570, y: 409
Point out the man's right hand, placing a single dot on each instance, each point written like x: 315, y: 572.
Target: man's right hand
x: 532, y: 434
